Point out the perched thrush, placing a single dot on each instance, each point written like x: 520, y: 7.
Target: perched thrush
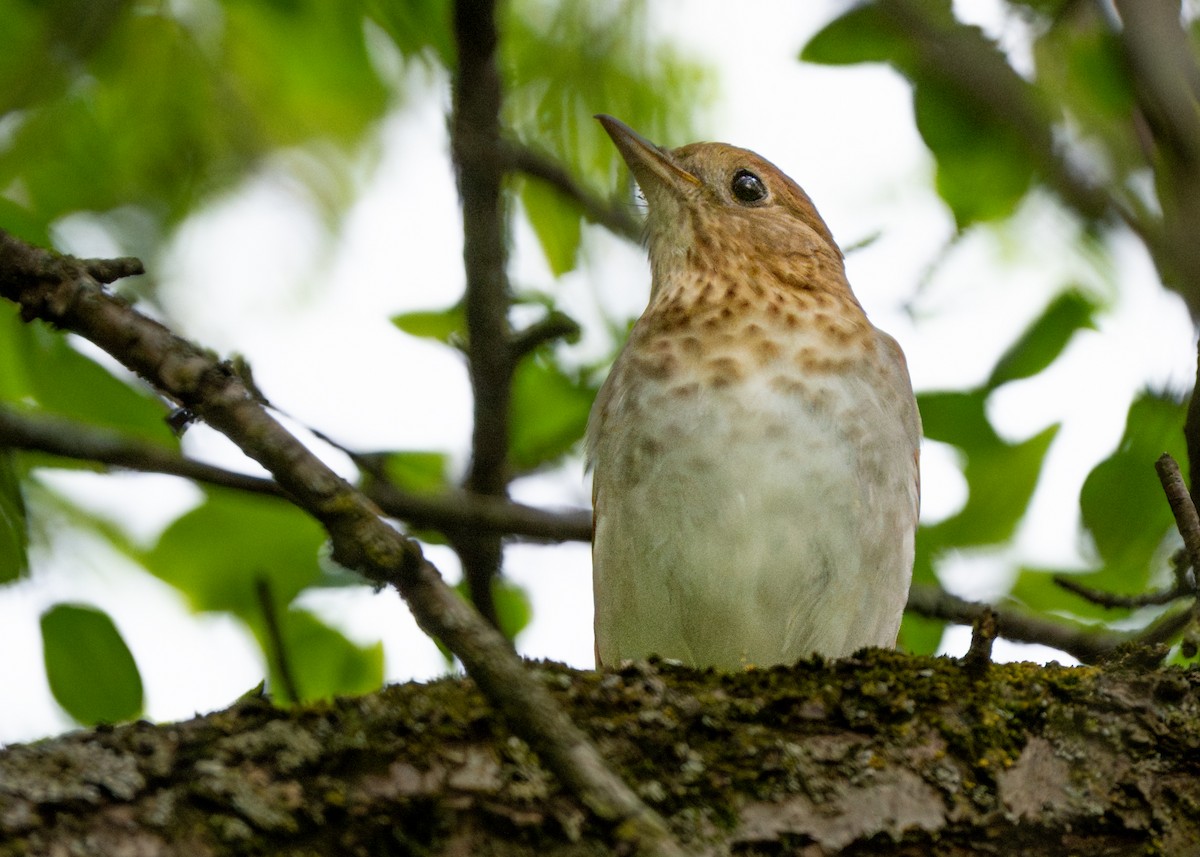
x: 755, y: 446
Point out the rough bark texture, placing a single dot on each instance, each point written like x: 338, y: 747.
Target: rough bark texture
x: 880, y: 754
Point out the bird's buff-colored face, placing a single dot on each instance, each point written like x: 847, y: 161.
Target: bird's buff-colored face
x: 685, y: 188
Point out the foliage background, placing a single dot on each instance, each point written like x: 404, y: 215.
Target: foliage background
x: 283, y: 169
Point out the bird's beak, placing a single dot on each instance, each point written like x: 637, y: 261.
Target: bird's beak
x: 650, y: 165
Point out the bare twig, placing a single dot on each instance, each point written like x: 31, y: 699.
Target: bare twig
x: 60, y: 291
x: 1180, y: 501
x: 1114, y: 600
x: 555, y: 325
x: 275, y: 645
x: 615, y: 218
x: 983, y: 634
x: 1188, y: 523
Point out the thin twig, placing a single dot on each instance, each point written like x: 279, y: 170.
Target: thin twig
x: 1186, y: 521
x: 1180, y: 501
x: 61, y: 292
x: 556, y: 325
x: 276, y: 648
x: 1114, y: 600
x: 615, y: 218
x: 452, y: 510
x: 983, y: 633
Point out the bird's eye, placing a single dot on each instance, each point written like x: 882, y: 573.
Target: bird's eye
x: 748, y: 187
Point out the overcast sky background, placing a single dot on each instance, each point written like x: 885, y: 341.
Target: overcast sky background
x: 324, y: 351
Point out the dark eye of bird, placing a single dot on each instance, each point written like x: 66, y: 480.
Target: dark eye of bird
x: 748, y: 187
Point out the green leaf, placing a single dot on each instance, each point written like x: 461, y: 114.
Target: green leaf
x: 564, y: 62
x: 556, y: 222
x: 417, y: 27
x: 1000, y: 481
x: 418, y: 472
x: 549, y: 412
x: 957, y: 417
x: 445, y: 325
x: 48, y: 372
x: 215, y: 552
x: 864, y: 34
x: 1081, y: 65
x: 1045, y: 339
x: 14, y: 528
x: 1122, y: 503
x: 920, y: 635
x: 983, y: 165
x: 91, y: 671
x: 513, y: 607
x: 324, y: 662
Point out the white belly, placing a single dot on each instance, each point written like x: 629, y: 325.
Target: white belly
x: 741, y: 526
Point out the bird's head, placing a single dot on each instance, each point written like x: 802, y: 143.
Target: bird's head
x: 710, y: 202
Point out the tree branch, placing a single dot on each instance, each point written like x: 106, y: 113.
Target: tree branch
x: 474, y: 142
x: 1089, y: 646
x: 61, y: 291
x: 450, y: 511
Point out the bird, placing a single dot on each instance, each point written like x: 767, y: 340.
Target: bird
x: 755, y: 447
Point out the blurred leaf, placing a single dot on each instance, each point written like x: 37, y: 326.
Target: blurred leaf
x: 549, y: 412
x: 14, y: 528
x: 47, y: 370
x: 303, y: 65
x: 1045, y: 339
x: 417, y: 27
x: 555, y: 221
x: 214, y: 553
x: 513, y: 607
x: 863, y: 34
x: 15, y: 385
x: 983, y: 166
x: 1079, y: 63
x: 222, y: 85
x: 91, y: 671
x: 444, y: 325
x: 1122, y: 502
x: 418, y: 472
x: 324, y: 663
x: 54, y: 38
x: 957, y: 417
x: 18, y: 221
x: 920, y: 635
x: 1000, y: 481
x: 564, y: 62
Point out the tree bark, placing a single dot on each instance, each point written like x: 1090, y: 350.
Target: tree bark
x: 882, y: 754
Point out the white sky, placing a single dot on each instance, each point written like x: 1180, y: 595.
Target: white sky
x: 324, y: 353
